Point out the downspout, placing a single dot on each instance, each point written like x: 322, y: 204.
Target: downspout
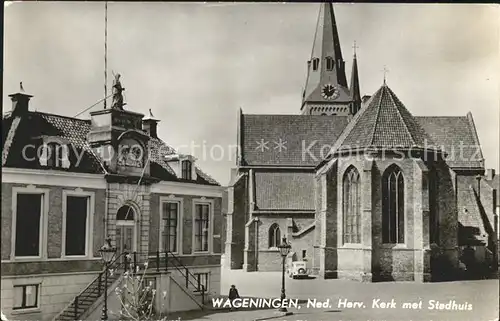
x: 106, y: 212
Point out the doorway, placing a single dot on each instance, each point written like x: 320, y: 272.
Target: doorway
x: 126, y: 238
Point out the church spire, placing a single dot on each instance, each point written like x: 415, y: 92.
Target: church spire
x: 326, y: 82
x: 355, y: 93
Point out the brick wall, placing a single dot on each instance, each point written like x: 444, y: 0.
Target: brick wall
x: 448, y: 213
x: 55, y: 216
x: 269, y: 259
x: 6, y: 220
x: 187, y: 221
x: 236, y: 224
x: 331, y: 221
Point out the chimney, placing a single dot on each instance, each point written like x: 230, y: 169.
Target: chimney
x: 20, y: 103
x: 490, y: 174
x: 150, y: 124
x: 365, y: 98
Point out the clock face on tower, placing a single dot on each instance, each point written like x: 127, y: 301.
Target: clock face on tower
x: 330, y: 92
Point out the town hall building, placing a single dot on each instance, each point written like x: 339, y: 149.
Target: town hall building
x: 70, y: 184
x: 360, y: 187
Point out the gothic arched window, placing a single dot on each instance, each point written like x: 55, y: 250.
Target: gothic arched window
x: 352, y: 206
x: 274, y: 235
x: 329, y: 63
x: 393, y: 207
x: 315, y: 63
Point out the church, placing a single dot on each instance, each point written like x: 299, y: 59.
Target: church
x: 358, y: 186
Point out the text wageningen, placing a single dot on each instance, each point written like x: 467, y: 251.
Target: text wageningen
x: 257, y: 303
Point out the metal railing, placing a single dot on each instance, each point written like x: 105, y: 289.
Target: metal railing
x: 157, y: 260
x: 86, y: 295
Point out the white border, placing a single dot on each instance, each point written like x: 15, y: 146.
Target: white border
x: 210, y: 202
x: 38, y: 306
x: 180, y: 221
x: 90, y: 223
x: 44, y: 218
x: 187, y: 189
x: 53, y: 178
x: 97, y: 181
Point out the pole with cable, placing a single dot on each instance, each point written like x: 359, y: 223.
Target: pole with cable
x: 105, y: 53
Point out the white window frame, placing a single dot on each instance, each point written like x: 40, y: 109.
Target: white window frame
x: 210, y: 203
x: 44, y: 219
x: 180, y: 220
x: 89, y: 253
x: 135, y: 223
x: 27, y: 282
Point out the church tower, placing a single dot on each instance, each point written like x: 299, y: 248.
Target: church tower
x: 326, y: 91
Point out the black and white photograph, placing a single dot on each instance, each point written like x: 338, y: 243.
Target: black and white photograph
x: 250, y: 161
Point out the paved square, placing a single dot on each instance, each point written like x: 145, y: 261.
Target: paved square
x: 474, y: 300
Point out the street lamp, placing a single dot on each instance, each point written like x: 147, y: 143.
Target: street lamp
x: 107, y: 253
x: 284, y: 248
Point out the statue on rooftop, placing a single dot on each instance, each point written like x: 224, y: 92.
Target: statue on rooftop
x: 117, y: 94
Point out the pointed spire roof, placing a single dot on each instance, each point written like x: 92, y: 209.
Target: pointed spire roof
x: 326, y: 44
x: 355, y: 91
x: 384, y: 123
x: 326, y: 38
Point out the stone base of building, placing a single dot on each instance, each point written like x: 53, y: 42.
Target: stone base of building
x: 361, y: 276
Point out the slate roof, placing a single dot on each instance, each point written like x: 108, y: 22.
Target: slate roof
x: 284, y: 190
x: 384, y: 123
x: 74, y: 131
x: 453, y: 134
x: 260, y: 137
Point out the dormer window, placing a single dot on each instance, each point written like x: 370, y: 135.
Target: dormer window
x: 329, y: 63
x: 186, y: 169
x: 315, y: 63
x: 183, y: 166
x: 54, y: 155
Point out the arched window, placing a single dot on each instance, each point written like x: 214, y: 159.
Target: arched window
x: 393, y: 206
x: 315, y: 63
x: 329, y: 63
x: 352, y: 206
x: 274, y: 235
x: 125, y: 213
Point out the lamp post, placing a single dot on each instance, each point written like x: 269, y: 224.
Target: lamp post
x: 284, y: 248
x: 107, y: 253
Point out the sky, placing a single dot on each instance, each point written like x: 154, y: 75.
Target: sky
x: 194, y: 65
